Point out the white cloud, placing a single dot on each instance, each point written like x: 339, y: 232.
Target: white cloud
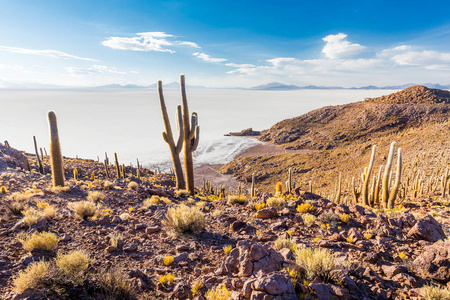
x: 49, y: 53
x: 337, y: 47
x: 190, y: 44
x: 95, y: 69
x: 208, y: 58
x: 146, y: 41
x: 12, y: 67
x: 240, y: 65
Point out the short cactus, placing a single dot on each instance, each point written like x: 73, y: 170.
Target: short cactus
x: 56, y: 159
x: 368, y: 170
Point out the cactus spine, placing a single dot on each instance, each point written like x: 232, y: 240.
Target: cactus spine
x: 398, y: 175
x: 368, y: 170
x: 168, y: 138
x: 191, y: 137
x: 387, y: 175
x: 56, y: 160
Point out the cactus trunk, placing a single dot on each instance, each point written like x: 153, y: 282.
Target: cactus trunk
x: 398, y: 175
x: 56, y: 160
x: 387, y: 175
x: 365, y: 189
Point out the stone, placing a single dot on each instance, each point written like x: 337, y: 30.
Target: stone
x: 41, y: 225
x: 427, y: 229
x: 130, y: 247
x: 238, y: 225
x: 393, y: 270
x: 406, y: 279
x: 434, y: 262
x: 182, y: 291
x: 180, y: 257
x: 357, y: 209
x: 287, y: 254
x: 273, y: 285
x: 140, y: 226
x: 329, y: 291
x: 152, y: 229
x: 266, y: 213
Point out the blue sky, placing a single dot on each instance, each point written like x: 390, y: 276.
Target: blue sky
x: 224, y: 43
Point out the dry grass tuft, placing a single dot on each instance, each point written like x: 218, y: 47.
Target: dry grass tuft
x: 95, y: 197
x: 185, y: 219
x: 281, y: 243
x: 60, y: 189
x: 40, y: 240
x: 113, y: 286
x: 309, y: 219
x: 31, y: 277
x: 276, y: 202
x: 236, y: 199
x: 16, y: 207
x: 73, y: 263
x: 153, y: 200
x: 31, y: 216
x: 315, y: 263
x: 83, y: 209
x: 196, y: 288
x: 436, y: 293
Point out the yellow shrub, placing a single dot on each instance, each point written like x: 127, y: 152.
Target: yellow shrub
x: 227, y: 249
x: 40, y: 240
x: 344, y: 218
x: 184, y: 219
x: 368, y: 236
x: 259, y: 206
x: 95, y: 196
x: 350, y: 240
x: 293, y: 275
x: 315, y: 263
x: 221, y: 293
x: 73, y: 263
x: 309, y: 219
x: 83, y: 209
x: 153, y: 200
x: 168, y: 260
x: 42, y: 204
x: 276, y: 202
x: 49, y: 211
x: 31, y: 277
x: 2, y: 190
x: 305, y: 208
x: 196, y: 288
x: 168, y: 278
x: 402, y: 255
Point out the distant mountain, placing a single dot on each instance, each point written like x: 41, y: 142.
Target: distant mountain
x: 282, y: 86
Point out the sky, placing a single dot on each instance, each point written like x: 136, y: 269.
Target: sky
x: 234, y: 43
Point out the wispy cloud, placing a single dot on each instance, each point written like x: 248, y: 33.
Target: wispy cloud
x: 49, y: 53
x: 337, y: 46
x: 12, y: 67
x: 95, y: 69
x: 147, y: 41
x: 208, y: 58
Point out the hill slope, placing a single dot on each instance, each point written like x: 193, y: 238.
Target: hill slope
x: 340, y: 139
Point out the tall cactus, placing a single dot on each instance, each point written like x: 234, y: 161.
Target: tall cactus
x: 253, y: 191
x: 41, y: 167
x: 191, y: 137
x: 56, y: 160
x: 365, y: 187
x: 168, y: 138
x: 289, y: 181
x: 394, y: 191
x: 387, y: 175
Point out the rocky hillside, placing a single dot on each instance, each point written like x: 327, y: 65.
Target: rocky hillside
x: 331, y: 126
x: 141, y: 239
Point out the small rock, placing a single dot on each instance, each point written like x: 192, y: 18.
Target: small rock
x: 266, y: 213
x: 427, y: 229
x: 140, y: 226
x: 391, y: 271
x: 130, y: 247
x: 180, y: 257
x: 152, y: 229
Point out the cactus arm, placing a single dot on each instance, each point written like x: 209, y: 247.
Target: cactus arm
x: 180, y: 129
x: 165, y: 138
x: 196, y: 139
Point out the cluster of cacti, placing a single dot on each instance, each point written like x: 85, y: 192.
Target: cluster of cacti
x: 56, y: 160
x: 366, y: 177
x: 188, y: 138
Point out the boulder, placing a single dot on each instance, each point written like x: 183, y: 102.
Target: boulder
x: 274, y: 285
x: 434, y: 262
x: 427, y: 229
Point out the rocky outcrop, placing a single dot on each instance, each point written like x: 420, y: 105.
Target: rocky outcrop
x: 275, y: 286
x: 434, y: 262
x: 427, y: 229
